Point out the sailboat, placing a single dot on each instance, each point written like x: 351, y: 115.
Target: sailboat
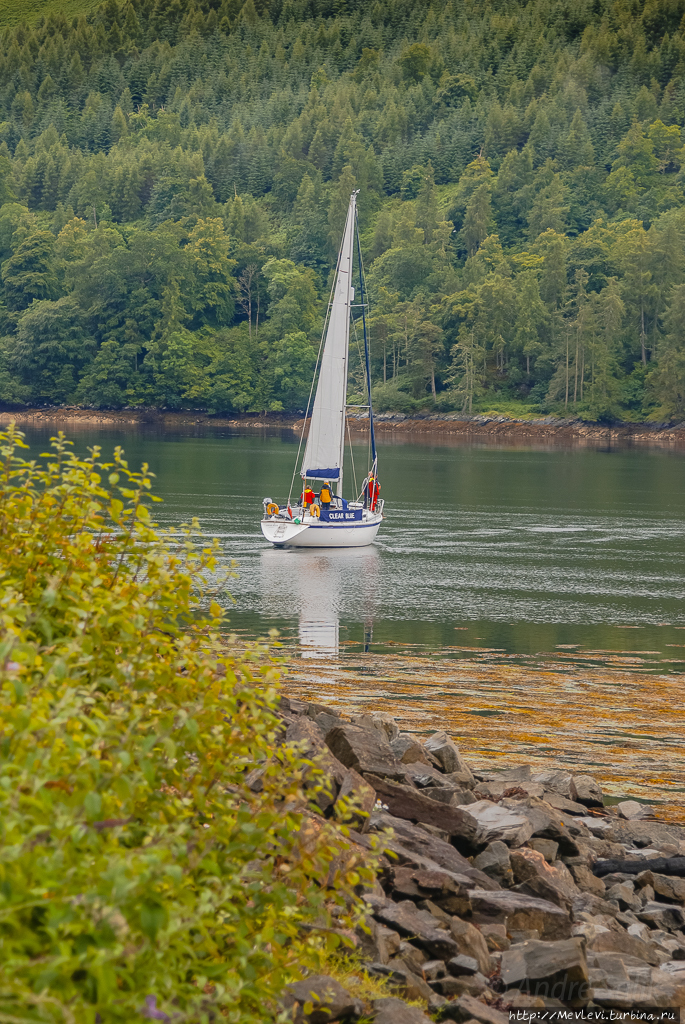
x: 339, y: 523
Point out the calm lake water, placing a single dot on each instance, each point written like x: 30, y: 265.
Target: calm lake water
x: 529, y: 601
x: 514, y: 550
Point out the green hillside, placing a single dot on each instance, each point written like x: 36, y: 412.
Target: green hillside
x: 174, y: 177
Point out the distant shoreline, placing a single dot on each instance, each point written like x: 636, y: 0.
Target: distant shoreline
x: 392, y: 426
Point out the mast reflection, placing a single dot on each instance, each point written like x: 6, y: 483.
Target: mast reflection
x: 320, y: 588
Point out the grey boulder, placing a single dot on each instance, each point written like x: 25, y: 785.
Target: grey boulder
x: 447, y: 753
x: 556, y: 970
x: 330, y: 1001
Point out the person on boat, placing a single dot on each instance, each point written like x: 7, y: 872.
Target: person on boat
x: 372, y: 491
x: 325, y: 495
x: 308, y: 497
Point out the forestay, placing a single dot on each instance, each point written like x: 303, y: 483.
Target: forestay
x: 323, y: 457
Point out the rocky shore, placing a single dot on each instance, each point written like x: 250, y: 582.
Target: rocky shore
x: 499, y: 891
x: 396, y: 426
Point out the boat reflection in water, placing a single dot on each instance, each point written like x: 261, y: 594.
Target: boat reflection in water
x: 321, y: 587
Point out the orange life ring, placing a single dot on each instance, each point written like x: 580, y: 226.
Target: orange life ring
x: 315, y: 511
x: 272, y: 509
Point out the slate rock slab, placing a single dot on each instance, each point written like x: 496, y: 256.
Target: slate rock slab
x: 632, y: 810
x: 588, y: 791
x: 495, y: 861
x: 619, y: 941
x: 402, y: 978
x: 410, y: 804
x: 447, y: 753
x: 304, y: 731
x: 521, y: 913
x: 556, y: 970
x: 559, y: 782
x: 672, y: 889
x: 497, y: 822
x: 420, y: 925
x: 413, y: 844
x: 408, y: 750
x: 354, y: 787
x: 396, y: 1011
x: 331, y: 1002
x: 462, y: 965
x: 365, y: 750
x: 471, y: 943
x: 667, y: 916
x: 468, y: 1008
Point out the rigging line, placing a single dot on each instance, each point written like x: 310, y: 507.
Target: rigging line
x: 316, y: 368
x: 361, y: 363
x: 354, y: 472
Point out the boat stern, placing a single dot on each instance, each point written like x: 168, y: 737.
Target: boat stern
x: 280, y: 531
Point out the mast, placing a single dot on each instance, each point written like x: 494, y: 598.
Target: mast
x: 323, y: 456
x: 366, y: 346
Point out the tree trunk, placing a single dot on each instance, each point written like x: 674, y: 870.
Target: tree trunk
x: 642, y: 333
x: 575, y: 378
x: 566, y: 399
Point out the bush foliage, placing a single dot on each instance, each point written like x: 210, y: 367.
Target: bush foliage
x: 139, y: 876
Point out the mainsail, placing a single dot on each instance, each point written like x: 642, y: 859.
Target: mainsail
x: 323, y: 456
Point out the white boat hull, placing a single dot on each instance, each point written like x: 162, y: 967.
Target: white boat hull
x: 314, y: 534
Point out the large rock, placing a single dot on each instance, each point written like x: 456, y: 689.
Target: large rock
x: 631, y: 810
x: 584, y: 877
x: 527, y: 864
x: 355, y: 801
x: 495, y: 862
x: 556, y: 970
x: 381, y: 721
x: 471, y: 943
x: 617, y: 971
x: 410, y: 804
x: 408, y: 750
x: 420, y: 925
x: 412, y: 845
x: 521, y: 913
x: 402, y: 978
x: 468, y: 1008
x: 497, y: 822
x: 616, y: 940
x: 672, y: 889
x: 396, y: 1011
x: 447, y: 753
x: 500, y: 787
x: 377, y: 942
x: 562, y: 803
x: 303, y: 731
x: 424, y: 775
x: 447, y: 891
x: 331, y: 1002
x: 588, y: 791
x: 667, y: 916
x: 365, y: 750
x: 559, y: 782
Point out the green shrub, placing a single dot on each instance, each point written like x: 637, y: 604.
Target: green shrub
x: 138, y: 872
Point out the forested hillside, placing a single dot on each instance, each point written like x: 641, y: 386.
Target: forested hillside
x: 174, y: 176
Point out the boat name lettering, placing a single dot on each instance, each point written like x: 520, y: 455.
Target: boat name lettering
x: 341, y: 515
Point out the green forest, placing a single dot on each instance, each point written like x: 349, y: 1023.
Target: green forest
x: 174, y: 178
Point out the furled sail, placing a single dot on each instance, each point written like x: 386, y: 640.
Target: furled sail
x: 324, y: 452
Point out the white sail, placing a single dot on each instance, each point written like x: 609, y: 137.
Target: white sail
x: 323, y: 457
